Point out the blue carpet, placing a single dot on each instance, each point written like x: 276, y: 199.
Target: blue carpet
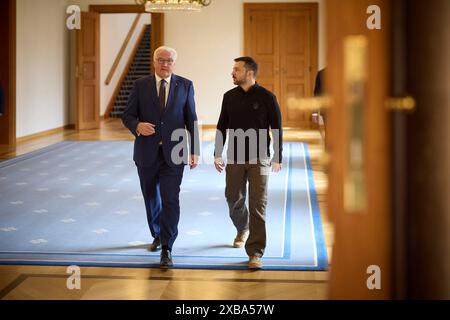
x: 80, y: 203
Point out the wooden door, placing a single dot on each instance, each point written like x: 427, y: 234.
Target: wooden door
x: 358, y: 77
x: 426, y: 162
x: 88, y: 72
x: 283, y: 40
x: 8, y: 75
x: 262, y: 29
x: 298, y: 62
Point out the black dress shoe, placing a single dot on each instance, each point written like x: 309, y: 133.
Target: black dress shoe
x: 166, y: 259
x: 155, y: 245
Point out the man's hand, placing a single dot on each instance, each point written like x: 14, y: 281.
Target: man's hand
x: 276, y: 167
x: 193, y: 161
x: 219, y: 164
x: 145, y: 128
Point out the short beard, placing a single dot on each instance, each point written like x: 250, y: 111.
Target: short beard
x: 238, y: 82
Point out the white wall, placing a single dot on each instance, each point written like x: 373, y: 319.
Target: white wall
x: 207, y: 43
x: 42, y: 66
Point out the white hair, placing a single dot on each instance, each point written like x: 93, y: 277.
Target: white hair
x: 172, y: 51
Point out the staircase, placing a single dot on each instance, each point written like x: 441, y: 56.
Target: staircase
x: 139, y: 68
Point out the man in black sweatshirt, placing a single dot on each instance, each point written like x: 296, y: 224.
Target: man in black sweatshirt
x: 248, y: 112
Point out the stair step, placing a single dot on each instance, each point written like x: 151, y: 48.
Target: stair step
x: 139, y: 70
x: 140, y: 67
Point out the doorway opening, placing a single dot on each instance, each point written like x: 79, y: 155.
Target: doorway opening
x: 97, y: 90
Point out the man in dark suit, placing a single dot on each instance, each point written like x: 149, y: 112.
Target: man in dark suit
x: 318, y: 84
x: 160, y: 109
x: 319, y: 90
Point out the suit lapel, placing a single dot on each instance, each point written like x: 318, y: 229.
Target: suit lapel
x: 172, y: 91
x: 153, y: 93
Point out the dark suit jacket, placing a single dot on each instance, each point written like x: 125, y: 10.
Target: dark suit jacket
x: 179, y: 113
x: 318, y: 85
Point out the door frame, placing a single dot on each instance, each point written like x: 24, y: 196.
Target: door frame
x: 156, y: 38
x: 362, y: 221
x: 157, y: 19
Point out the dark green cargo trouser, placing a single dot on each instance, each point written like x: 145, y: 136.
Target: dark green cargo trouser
x: 237, y: 176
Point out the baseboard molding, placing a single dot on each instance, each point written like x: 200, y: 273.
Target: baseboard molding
x: 45, y: 133
x: 208, y: 126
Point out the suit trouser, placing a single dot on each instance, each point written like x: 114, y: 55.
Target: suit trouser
x: 253, y: 218
x: 160, y: 185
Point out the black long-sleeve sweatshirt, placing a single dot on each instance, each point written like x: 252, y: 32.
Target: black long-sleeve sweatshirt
x: 258, y: 110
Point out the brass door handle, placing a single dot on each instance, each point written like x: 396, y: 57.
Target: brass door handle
x: 316, y: 103
x: 407, y: 103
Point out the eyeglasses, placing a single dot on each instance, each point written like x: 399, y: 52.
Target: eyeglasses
x: 162, y: 61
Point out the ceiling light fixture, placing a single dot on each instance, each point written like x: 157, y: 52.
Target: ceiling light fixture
x: 173, y: 5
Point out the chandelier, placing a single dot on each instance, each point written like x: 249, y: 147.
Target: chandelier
x: 173, y: 5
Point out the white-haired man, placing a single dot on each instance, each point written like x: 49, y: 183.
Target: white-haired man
x: 159, y: 105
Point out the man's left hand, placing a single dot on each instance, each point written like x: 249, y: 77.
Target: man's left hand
x: 193, y: 161
x: 276, y: 167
